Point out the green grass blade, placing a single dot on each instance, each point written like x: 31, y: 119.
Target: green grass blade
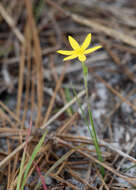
x: 79, y: 105
x: 129, y: 168
x: 36, y: 150
x: 21, y: 171
x: 96, y: 144
x: 68, y: 98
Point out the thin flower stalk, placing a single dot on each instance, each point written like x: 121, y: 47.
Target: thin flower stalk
x: 93, y: 132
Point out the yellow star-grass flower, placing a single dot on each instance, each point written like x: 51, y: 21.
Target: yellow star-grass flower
x: 79, y: 51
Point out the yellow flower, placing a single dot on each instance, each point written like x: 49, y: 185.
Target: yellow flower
x: 79, y: 51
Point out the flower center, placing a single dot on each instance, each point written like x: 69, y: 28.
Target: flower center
x: 79, y: 51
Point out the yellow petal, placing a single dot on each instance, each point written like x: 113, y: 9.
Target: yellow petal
x: 70, y: 57
x: 91, y: 50
x: 86, y: 42
x: 64, y: 52
x: 82, y: 58
x: 74, y: 44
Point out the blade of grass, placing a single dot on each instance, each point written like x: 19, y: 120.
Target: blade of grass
x: 127, y: 169
x: 23, y: 159
x: 68, y: 98
x: 82, y: 112
x: 36, y: 150
x: 96, y: 144
x: 21, y: 171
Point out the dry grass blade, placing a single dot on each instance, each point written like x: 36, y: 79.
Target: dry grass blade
x: 21, y: 78
x: 20, y: 147
x: 82, y: 93
x: 78, y: 178
x: 6, y: 117
x: 54, y: 95
x: 55, y: 76
x: 58, y: 162
x: 116, y: 59
x: 130, y: 180
x: 12, y: 114
x: 10, y: 21
x: 38, y: 59
x: 106, y: 30
x: 123, y: 99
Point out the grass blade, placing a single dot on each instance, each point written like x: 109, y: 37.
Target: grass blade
x: 68, y: 98
x: 36, y: 150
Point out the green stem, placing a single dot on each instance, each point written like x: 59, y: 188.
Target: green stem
x: 93, y: 132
